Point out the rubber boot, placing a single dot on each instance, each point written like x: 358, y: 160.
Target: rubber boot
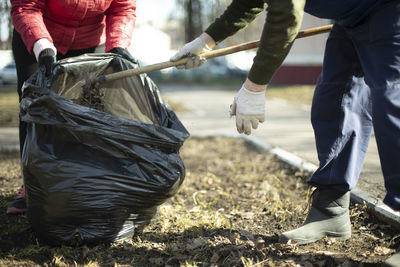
x: 328, y: 216
x: 393, y: 261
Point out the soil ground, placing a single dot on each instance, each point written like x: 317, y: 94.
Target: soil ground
x: 230, y: 210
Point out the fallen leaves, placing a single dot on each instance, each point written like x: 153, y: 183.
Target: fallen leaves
x: 196, y: 243
x: 225, y: 214
x: 383, y: 251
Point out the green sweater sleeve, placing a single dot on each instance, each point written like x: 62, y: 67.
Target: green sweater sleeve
x: 280, y: 29
x: 236, y: 17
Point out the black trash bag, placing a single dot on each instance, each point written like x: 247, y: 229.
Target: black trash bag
x: 97, y: 162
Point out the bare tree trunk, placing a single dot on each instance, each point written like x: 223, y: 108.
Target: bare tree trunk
x: 6, y: 18
x: 10, y: 30
x: 193, y: 19
x: 198, y: 14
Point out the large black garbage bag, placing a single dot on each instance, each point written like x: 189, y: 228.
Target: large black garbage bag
x: 97, y: 162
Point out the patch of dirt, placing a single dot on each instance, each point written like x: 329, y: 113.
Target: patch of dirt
x: 230, y: 210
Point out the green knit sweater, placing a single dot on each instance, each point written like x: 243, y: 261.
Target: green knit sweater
x: 280, y: 29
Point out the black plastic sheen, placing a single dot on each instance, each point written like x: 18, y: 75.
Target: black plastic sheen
x: 94, y: 175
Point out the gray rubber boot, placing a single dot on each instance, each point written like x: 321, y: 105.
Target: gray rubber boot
x: 393, y: 261
x: 328, y: 216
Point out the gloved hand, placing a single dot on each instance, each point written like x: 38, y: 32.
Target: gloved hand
x: 249, y: 108
x: 193, y: 50
x: 46, y: 59
x: 124, y: 54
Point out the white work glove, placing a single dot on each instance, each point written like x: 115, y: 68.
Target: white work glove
x: 249, y: 108
x: 192, y: 50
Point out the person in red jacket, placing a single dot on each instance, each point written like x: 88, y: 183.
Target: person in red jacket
x: 46, y: 31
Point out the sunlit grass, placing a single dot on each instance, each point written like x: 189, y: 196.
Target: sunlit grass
x: 300, y: 94
x: 233, y: 203
x: 9, y: 107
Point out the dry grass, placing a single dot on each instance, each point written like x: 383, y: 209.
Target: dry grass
x: 9, y: 107
x: 175, y: 106
x: 232, y: 206
x: 300, y: 94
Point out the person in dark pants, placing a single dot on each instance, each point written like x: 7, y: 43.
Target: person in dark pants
x: 358, y: 91
x: 46, y: 31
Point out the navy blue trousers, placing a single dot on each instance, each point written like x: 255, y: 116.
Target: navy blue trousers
x: 359, y: 91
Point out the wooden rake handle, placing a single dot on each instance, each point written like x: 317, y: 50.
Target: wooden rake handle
x: 207, y: 55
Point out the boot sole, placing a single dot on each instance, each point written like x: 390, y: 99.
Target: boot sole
x: 335, y: 236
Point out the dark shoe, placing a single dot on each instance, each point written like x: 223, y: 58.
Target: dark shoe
x: 18, y: 206
x: 328, y: 217
x: 393, y: 261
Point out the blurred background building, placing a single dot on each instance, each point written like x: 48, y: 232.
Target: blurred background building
x: 304, y: 62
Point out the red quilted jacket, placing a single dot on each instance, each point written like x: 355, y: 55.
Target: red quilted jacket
x: 75, y: 24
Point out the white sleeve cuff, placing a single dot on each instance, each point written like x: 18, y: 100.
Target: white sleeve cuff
x: 42, y: 44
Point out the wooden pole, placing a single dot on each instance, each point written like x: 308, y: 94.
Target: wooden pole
x: 207, y: 55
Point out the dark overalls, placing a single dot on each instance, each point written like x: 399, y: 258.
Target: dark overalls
x: 359, y: 90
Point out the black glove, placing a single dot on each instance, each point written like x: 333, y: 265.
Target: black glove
x: 46, y: 60
x: 124, y: 54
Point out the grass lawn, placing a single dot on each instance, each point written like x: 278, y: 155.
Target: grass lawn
x: 232, y: 206
x: 8, y: 106
x: 300, y: 94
